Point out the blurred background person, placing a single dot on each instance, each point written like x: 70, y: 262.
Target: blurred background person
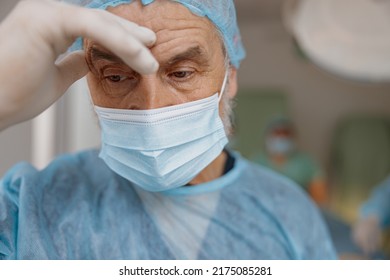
x: 283, y: 156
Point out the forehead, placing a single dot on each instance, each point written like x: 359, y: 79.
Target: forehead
x: 176, y: 27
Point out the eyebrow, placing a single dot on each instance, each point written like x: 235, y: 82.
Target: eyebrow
x: 97, y: 54
x: 196, y: 54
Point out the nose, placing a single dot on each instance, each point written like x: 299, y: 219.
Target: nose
x: 151, y: 93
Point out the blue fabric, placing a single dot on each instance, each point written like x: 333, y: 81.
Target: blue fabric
x: 221, y: 13
x: 77, y: 208
x: 378, y: 204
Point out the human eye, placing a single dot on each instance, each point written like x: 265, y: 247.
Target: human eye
x: 116, y: 78
x: 181, y: 75
x: 117, y: 82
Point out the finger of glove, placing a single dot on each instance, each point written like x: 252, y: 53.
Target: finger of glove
x: 126, y: 40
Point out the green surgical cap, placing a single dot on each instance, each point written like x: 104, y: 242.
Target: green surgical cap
x: 221, y: 13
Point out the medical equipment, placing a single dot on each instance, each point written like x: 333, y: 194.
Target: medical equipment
x: 345, y: 37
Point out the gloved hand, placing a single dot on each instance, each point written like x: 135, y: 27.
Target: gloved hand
x: 37, y: 32
x: 367, y: 234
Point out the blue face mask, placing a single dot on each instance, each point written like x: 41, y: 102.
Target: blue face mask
x: 165, y: 148
x: 279, y: 145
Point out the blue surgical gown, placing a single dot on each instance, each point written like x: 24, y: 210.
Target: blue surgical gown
x: 77, y: 208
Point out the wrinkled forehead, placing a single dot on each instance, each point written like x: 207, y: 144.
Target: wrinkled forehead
x: 177, y: 28
x: 220, y: 13
x: 163, y: 15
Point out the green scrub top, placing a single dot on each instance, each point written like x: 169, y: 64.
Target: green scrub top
x: 299, y: 167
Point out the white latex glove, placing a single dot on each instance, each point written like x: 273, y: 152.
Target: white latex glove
x: 34, y: 35
x: 367, y: 234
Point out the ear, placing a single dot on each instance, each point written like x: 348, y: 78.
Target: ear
x: 233, y: 85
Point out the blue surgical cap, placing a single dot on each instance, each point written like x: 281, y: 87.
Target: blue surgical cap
x: 221, y: 13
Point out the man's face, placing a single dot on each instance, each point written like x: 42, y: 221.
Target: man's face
x: 188, y: 49
x: 280, y: 140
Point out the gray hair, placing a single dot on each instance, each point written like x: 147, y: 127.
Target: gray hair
x: 228, y: 105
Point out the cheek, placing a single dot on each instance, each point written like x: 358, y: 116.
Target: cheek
x: 205, y: 87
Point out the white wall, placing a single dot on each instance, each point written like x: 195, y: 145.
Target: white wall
x: 82, y: 125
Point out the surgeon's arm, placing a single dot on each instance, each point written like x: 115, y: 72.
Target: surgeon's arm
x: 317, y: 186
x: 318, y: 191
x: 374, y: 216
x: 37, y: 32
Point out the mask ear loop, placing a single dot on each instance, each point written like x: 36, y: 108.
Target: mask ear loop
x: 223, y: 84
